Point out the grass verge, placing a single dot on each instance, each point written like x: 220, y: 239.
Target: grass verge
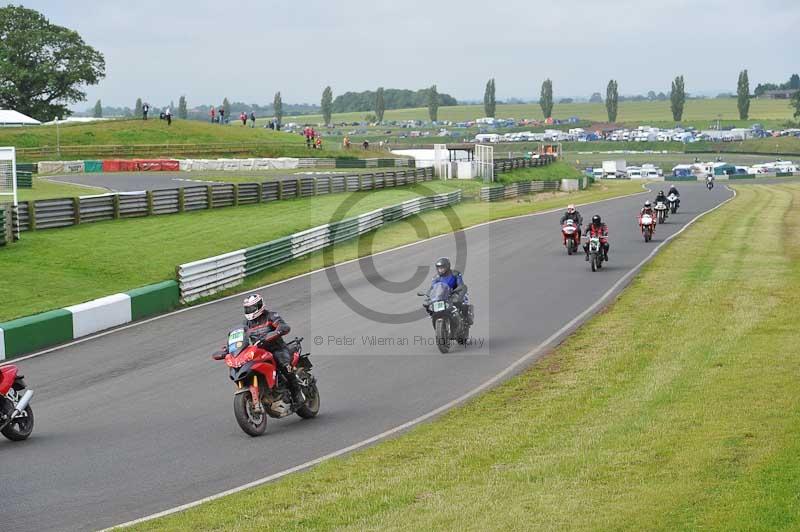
x: 552, y: 172
x: 44, y: 189
x: 55, y: 268
x: 683, y: 417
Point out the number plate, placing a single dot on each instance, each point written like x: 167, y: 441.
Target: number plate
x: 439, y: 306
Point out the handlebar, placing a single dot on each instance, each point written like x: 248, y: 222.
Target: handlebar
x: 219, y: 355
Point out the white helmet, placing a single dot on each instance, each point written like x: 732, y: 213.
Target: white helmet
x: 253, y: 307
x: 570, y: 208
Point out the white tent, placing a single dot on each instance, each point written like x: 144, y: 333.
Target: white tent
x: 10, y: 117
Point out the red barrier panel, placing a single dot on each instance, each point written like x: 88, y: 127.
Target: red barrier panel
x: 111, y: 165
x: 170, y: 166
x: 149, y: 165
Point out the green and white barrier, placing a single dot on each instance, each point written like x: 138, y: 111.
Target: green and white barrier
x: 31, y: 333
x: 205, y: 277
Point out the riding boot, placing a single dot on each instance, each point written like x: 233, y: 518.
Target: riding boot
x: 294, y: 386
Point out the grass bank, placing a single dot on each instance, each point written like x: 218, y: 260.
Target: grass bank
x: 683, y: 417
x: 552, y: 172
x: 67, y: 266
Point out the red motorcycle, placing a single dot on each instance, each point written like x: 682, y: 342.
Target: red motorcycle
x: 571, y: 234
x: 16, y: 415
x: 261, y: 390
x: 647, y: 224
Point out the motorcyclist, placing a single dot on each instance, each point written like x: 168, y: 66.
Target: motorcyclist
x: 599, y: 229
x: 648, y: 209
x: 454, y: 279
x: 674, y: 190
x: 268, y: 328
x: 661, y: 197
x: 574, y: 215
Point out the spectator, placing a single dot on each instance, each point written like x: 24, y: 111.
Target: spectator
x: 168, y: 116
x: 222, y: 115
x: 213, y: 114
x: 319, y: 142
x: 307, y: 132
x: 252, y: 119
x: 346, y: 142
x: 145, y: 109
x: 243, y: 118
x: 365, y: 144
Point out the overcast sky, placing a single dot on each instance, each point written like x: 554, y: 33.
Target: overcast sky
x: 248, y: 50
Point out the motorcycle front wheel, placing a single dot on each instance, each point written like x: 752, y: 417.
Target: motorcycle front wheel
x: 311, y: 407
x: 20, y: 428
x: 593, y: 260
x: 443, y: 335
x: 250, y: 421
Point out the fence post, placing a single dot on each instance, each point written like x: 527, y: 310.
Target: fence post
x: 260, y: 189
x: 235, y: 194
x: 330, y: 183
x: 76, y: 208
x: 149, y: 196
x: 115, y: 206
x: 31, y: 215
x: 360, y: 182
x: 181, y: 199
x: 316, y: 187
x: 297, y: 187
x: 280, y: 189
x: 209, y: 197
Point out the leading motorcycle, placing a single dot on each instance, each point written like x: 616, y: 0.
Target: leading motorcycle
x: 571, y: 234
x: 16, y: 414
x: 262, y: 390
x: 596, y: 255
x: 647, y: 225
x: 449, y: 323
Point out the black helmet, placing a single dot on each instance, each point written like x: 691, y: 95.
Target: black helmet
x: 596, y: 219
x: 443, y: 266
x: 660, y: 192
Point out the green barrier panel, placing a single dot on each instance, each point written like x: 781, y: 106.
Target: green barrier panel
x: 2, y: 227
x: 748, y: 176
x: 784, y: 174
x: 261, y: 257
x: 351, y: 163
x: 92, y: 166
x: 154, y: 299
x: 28, y: 334
x: 680, y: 178
x: 28, y: 167
x: 24, y: 179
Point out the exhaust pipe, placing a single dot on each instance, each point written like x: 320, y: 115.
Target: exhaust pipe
x: 23, y: 403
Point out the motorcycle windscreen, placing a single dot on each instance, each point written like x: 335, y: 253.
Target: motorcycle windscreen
x: 237, y: 341
x: 440, y: 295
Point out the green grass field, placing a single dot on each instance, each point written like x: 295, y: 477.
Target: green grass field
x: 655, y: 113
x: 554, y: 171
x: 684, y: 417
x: 157, y: 133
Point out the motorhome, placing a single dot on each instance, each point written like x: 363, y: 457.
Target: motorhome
x: 614, y: 169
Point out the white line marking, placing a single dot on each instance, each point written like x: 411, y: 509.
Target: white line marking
x: 529, y: 356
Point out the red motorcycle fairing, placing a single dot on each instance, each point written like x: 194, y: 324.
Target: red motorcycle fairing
x: 8, y: 374
x: 295, y: 359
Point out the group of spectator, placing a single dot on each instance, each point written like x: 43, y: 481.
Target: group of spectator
x: 243, y: 117
x: 313, y: 139
x: 217, y: 117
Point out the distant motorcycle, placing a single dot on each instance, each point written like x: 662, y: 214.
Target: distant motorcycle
x: 571, y: 235
x: 661, y: 212
x: 709, y: 184
x: 672, y: 203
x: 449, y: 323
x: 647, y: 225
x: 16, y: 415
x: 261, y: 390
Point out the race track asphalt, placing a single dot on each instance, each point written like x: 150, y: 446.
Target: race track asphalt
x: 140, y: 420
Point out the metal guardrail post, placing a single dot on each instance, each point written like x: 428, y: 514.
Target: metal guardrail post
x: 209, y: 197
x: 76, y: 210
x: 260, y: 192
x: 235, y: 194
x: 280, y: 189
x: 31, y: 215
x: 149, y: 198
x: 316, y: 185
x: 181, y: 200
x: 298, y: 188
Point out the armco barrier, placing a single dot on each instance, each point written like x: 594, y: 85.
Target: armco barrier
x: 204, y: 277
x: 32, y: 333
x: 63, y: 212
x: 516, y: 189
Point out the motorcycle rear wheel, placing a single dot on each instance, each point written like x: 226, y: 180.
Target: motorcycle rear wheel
x: 311, y: 407
x: 250, y: 422
x: 21, y: 428
x: 443, y: 335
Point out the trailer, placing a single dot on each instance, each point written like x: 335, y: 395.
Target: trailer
x: 614, y: 169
